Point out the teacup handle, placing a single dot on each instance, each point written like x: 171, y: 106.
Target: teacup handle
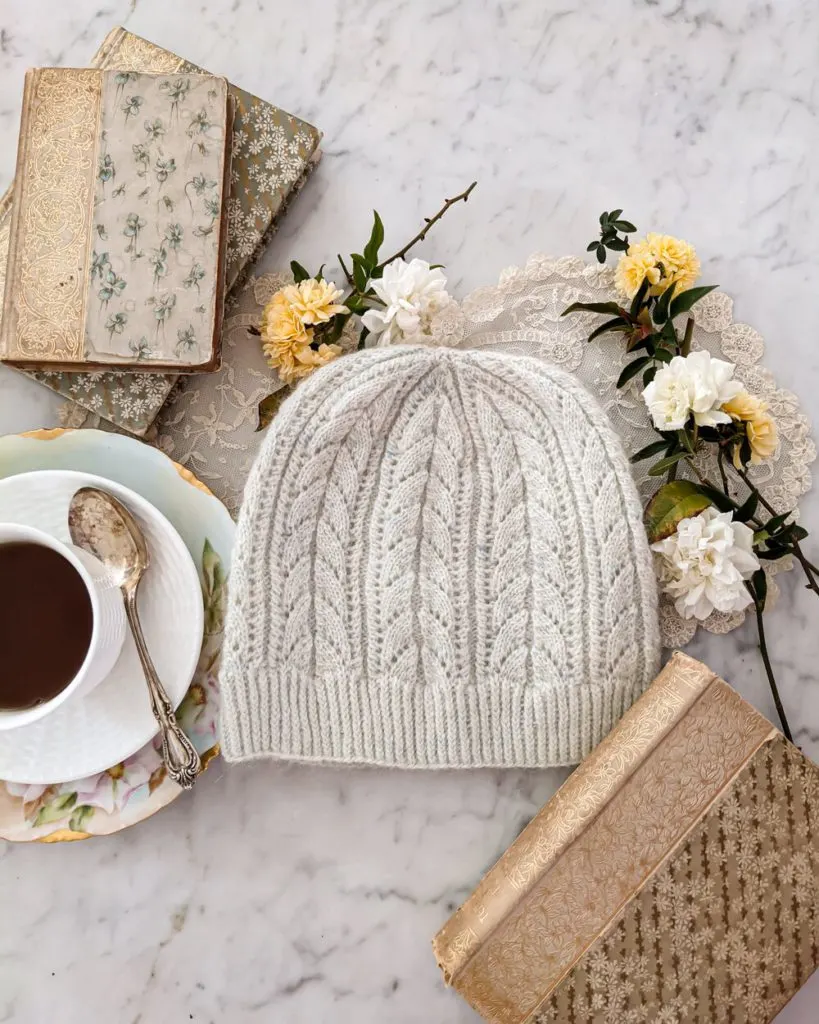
x: 178, y: 753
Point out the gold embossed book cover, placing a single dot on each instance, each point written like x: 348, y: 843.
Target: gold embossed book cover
x: 117, y: 243
x: 674, y: 876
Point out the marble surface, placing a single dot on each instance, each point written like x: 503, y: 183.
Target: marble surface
x: 294, y: 894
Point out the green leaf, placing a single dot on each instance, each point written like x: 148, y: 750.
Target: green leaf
x: 685, y: 441
x: 617, y: 324
x: 320, y: 274
x: 662, y: 355
x: 685, y: 300
x: 718, y: 499
x: 670, y: 505
x: 631, y: 370
x: 213, y: 589
x: 594, y: 307
x: 661, y: 309
x: 299, y: 273
x: 269, y: 406
x: 55, y: 810
x: 665, y: 464
x: 375, y: 242
x: 604, y: 219
x: 361, y: 274
x: 639, y: 297
x: 777, y: 522
x: 625, y: 225
x: 601, y: 253
x: 80, y: 818
x: 747, y: 509
x: 650, y: 449
x: 592, y: 246
x: 617, y: 245
x: 613, y: 215
x: 649, y: 375
x: 759, y: 581
x: 794, y: 533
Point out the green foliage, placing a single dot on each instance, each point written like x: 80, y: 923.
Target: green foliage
x: 672, y: 503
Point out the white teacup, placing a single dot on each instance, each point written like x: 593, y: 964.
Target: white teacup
x: 108, y: 622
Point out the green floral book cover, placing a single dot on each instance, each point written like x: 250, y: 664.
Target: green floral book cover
x: 273, y: 153
x: 117, y: 245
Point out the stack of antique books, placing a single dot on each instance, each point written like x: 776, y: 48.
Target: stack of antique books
x: 145, y: 189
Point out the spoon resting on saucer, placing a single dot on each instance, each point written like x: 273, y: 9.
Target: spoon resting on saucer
x: 103, y: 526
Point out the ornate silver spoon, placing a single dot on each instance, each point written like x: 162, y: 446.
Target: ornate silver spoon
x: 103, y: 526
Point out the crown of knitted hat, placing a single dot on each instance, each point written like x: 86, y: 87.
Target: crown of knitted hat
x: 440, y: 562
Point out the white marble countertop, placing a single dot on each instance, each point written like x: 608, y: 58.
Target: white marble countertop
x: 292, y: 894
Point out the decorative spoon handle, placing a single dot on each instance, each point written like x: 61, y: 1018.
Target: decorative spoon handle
x: 178, y: 753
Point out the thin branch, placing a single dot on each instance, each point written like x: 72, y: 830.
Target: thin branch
x: 763, y: 648
x: 428, y: 222
x: 347, y: 273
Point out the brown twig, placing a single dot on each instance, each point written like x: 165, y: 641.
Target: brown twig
x: 428, y: 222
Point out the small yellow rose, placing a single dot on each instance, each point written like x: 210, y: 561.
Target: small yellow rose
x: 744, y: 406
x: 762, y: 436
x: 315, y: 302
x: 282, y: 323
x: 760, y: 427
x: 663, y: 259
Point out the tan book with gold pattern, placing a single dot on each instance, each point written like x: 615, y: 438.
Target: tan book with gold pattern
x: 675, y: 876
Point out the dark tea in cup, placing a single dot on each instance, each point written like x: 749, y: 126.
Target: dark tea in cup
x: 46, y: 624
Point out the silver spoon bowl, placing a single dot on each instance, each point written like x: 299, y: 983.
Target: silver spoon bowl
x: 103, y: 526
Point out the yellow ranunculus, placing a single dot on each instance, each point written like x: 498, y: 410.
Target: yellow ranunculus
x: 760, y: 427
x: 315, y: 302
x: 663, y: 259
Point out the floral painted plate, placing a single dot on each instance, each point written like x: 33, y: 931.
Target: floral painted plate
x: 137, y: 788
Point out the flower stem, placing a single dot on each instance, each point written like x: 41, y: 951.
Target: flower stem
x: 428, y: 222
x: 721, y: 462
x: 686, y: 342
x: 808, y: 568
x: 763, y: 648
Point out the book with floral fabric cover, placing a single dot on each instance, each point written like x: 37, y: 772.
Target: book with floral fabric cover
x: 117, y: 246
x: 273, y: 154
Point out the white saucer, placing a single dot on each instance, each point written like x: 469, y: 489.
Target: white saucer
x: 89, y: 734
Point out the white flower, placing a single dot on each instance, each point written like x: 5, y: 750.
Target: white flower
x: 704, y: 564
x: 696, y: 384
x: 412, y: 293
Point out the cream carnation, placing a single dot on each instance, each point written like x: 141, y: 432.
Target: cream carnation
x: 704, y: 565
x: 696, y: 385
x: 412, y: 293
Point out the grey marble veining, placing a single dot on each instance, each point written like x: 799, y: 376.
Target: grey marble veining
x: 291, y: 894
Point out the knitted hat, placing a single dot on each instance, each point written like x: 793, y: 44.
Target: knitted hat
x: 440, y: 563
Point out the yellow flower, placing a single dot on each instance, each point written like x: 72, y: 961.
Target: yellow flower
x: 744, y: 406
x: 760, y: 427
x: 326, y: 353
x: 662, y: 259
x: 315, y: 302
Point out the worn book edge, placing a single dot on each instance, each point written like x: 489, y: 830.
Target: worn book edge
x: 576, y: 804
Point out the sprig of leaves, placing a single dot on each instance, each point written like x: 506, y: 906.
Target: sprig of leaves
x: 611, y: 225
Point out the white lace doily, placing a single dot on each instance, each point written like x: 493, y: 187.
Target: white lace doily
x: 210, y: 422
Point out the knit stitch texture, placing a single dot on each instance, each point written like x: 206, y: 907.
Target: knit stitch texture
x: 440, y: 563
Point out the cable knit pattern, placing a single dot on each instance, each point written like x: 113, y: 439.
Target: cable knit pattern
x: 440, y: 563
